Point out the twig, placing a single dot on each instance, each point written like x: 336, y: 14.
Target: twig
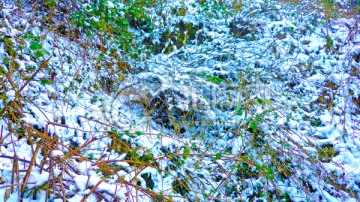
x: 15, y: 185
x: 62, y: 187
x: 32, y: 77
x: 15, y: 167
x: 1, y: 133
x: 92, y: 190
x: 22, y: 160
x: 33, y: 159
x: 66, y: 126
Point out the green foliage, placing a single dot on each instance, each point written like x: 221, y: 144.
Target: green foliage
x: 35, y: 46
x: 186, y: 153
x: 326, y: 153
x: 46, y: 81
x: 113, y: 20
x: 239, y: 110
x: 268, y: 150
x: 217, y: 156
x: 213, y: 79
x: 329, y: 43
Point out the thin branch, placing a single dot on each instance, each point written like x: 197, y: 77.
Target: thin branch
x: 32, y: 77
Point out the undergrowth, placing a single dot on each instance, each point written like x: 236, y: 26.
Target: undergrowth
x: 76, y: 54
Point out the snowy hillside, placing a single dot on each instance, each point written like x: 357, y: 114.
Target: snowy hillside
x: 179, y: 100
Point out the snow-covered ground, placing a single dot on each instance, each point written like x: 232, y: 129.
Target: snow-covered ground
x: 260, y: 103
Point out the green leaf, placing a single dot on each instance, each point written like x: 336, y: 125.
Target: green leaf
x: 253, y: 126
x: 2, y: 71
x: 66, y: 89
x: 186, y: 152
x: 197, y: 165
x: 182, y: 162
x: 138, y: 133
x: 35, y: 46
x: 214, y: 79
x: 38, y: 54
x: 8, y: 42
x: 49, y: 3
x: 269, y: 173
x: 28, y: 36
x: 101, y: 56
x: 287, y: 118
x: 218, y: 156
x: 79, y: 80
x: 258, y: 118
x: 239, y: 111
x: 46, y: 52
x: 46, y: 81
x: 193, y: 144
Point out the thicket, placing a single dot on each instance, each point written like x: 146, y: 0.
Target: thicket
x: 94, y: 46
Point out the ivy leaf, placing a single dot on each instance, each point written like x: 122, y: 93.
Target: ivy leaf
x: 138, y: 133
x: 214, y: 79
x: 28, y: 36
x: 287, y: 118
x: 218, y: 156
x: 186, y: 152
x: 35, y: 46
x: 46, y: 52
x: 38, y: 54
x: 197, y: 165
x: 46, y: 81
x: 253, y: 126
x: 239, y: 111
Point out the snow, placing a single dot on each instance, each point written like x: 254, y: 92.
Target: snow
x: 81, y: 181
x: 42, y: 178
x: 57, y: 153
x: 298, y: 102
x: 10, y: 96
x: 110, y: 4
